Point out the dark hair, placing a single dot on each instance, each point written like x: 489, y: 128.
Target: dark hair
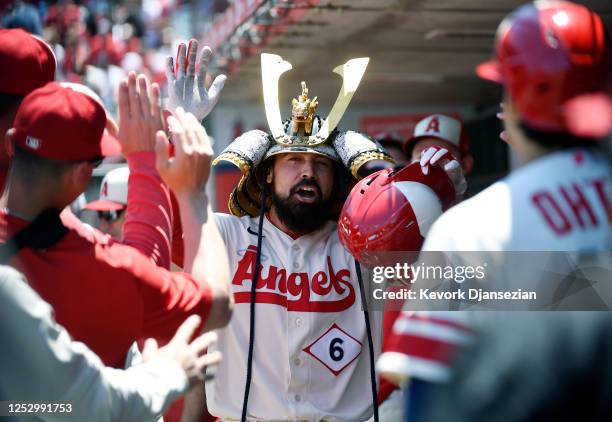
x: 556, y: 140
x: 343, y: 183
x: 8, y: 101
x: 33, y: 167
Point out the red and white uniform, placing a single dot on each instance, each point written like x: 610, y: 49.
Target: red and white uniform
x: 563, y: 202
x: 560, y: 202
x: 422, y: 345
x: 310, y: 354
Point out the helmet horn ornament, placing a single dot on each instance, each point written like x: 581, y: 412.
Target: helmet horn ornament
x: 272, y: 67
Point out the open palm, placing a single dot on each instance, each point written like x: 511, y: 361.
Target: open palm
x: 186, y: 87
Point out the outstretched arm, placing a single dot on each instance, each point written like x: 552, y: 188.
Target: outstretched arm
x: 187, y: 89
x: 149, y: 216
x: 186, y: 174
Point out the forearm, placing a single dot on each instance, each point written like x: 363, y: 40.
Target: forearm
x: 148, y: 224
x: 205, y: 254
x: 97, y: 393
x: 40, y: 363
x: 146, y: 390
x: 100, y: 394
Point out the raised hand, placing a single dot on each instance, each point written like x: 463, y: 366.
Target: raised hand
x: 189, y: 354
x: 188, y: 90
x: 433, y: 156
x: 140, y: 114
x: 189, y: 169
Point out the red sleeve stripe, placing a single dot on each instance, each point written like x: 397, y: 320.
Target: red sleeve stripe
x: 431, y: 330
x: 456, y: 320
x: 425, y: 348
x: 398, y: 366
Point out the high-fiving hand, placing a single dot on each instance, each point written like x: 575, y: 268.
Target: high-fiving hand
x: 189, y: 354
x: 188, y: 171
x: 140, y: 115
x: 188, y: 90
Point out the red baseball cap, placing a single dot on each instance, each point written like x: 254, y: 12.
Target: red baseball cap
x: 110, y: 144
x: 59, y: 123
x: 26, y: 62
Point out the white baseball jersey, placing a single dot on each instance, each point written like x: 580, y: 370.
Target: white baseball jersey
x: 559, y: 202
x: 311, y: 352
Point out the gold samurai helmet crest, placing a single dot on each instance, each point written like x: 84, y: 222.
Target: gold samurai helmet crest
x: 302, y: 113
x: 272, y: 67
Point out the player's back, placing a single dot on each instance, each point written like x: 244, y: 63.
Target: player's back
x: 559, y: 202
x: 533, y: 229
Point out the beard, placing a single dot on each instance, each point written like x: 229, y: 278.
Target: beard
x: 299, y: 216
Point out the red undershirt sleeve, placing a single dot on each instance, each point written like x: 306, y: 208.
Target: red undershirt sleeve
x: 169, y: 298
x: 148, y: 222
x: 178, y: 245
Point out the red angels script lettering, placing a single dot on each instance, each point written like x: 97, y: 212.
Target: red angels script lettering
x: 245, y: 271
x: 298, y: 285
x: 294, y: 291
x: 340, y: 281
x: 104, y: 191
x: 321, y: 284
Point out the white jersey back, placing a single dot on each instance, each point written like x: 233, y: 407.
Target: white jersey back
x: 311, y: 354
x: 560, y: 202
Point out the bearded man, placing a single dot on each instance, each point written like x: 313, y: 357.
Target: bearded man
x: 309, y: 357
x: 299, y: 338
x: 299, y: 342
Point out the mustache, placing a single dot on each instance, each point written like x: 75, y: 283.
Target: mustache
x: 305, y: 183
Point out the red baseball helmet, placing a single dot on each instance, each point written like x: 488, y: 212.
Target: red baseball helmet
x: 392, y: 211
x: 554, y: 60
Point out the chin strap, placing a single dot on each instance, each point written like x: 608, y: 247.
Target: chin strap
x: 366, y: 316
x: 46, y: 230
x: 255, y: 279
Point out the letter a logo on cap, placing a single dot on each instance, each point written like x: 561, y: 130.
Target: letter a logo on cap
x: 104, y: 190
x: 434, y: 125
x: 32, y: 142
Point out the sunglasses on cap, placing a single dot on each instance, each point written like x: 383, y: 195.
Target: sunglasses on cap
x: 110, y: 216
